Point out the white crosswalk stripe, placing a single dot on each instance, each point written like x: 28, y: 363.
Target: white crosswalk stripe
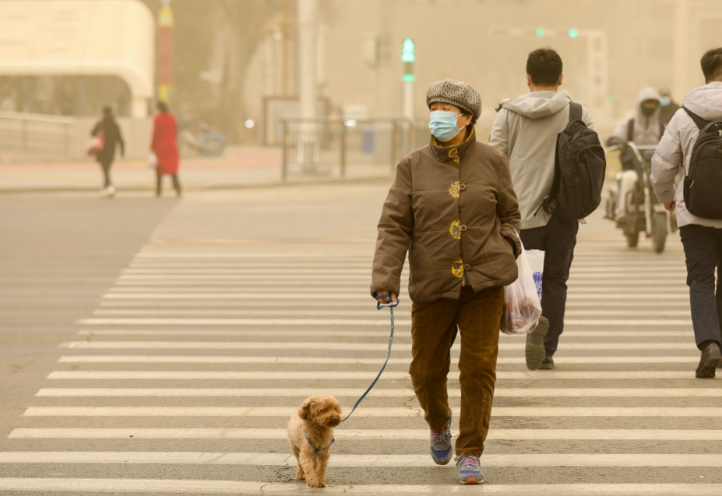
x: 500, y: 392
x: 397, y: 434
x: 206, y: 345
x: 281, y: 460
x: 153, y: 486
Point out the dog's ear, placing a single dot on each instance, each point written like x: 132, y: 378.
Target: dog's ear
x: 305, y: 411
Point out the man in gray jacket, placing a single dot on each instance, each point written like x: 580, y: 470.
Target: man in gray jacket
x: 526, y: 130
x: 701, y: 238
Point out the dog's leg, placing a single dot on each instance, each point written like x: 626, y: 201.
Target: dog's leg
x: 321, y: 464
x: 299, y: 473
x: 308, y: 465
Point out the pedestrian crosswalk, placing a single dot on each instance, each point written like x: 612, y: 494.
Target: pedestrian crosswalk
x: 219, y: 328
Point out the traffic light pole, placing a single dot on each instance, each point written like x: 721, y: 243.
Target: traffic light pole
x: 407, y: 100
x: 408, y: 57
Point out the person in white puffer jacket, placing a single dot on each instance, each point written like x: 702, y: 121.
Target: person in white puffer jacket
x: 701, y: 238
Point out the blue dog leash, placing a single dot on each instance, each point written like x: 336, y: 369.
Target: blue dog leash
x: 379, y: 306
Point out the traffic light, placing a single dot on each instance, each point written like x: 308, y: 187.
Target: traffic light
x: 540, y: 32
x: 573, y: 33
x: 408, y: 57
x: 408, y: 54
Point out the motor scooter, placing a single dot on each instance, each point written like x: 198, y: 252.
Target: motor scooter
x: 644, y: 213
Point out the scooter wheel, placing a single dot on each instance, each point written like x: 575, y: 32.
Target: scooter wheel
x: 632, y: 239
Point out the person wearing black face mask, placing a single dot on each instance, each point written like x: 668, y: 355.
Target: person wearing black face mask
x: 645, y: 128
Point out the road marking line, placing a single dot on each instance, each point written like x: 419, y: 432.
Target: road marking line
x: 370, y: 334
x: 294, y: 375
x: 342, y: 277
x: 352, y: 273
x: 340, y: 296
x: 365, y: 313
x: 413, y: 434
x: 167, y: 254
x: 282, y: 488
x: 381, y: 393
x: 354, y: 461
x: 349, y: 361
x: 157, y: 411
x: 292, y: 345
x: 673, y: 287
x: 354, y: 322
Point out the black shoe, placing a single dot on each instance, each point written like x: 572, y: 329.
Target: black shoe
x: 710, y: 360
x: 547, y: 364
x: 535, y: 351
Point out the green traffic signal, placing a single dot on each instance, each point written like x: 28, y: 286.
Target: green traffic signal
x: 408, y: 53
x: 540, y: 32
x: 573, y: 33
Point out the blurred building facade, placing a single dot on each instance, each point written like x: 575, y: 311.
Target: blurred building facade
x: 71, y: 58
x: 654, y: 43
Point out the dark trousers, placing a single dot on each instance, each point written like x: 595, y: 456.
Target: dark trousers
x: 105, y: 164
x: 159, y: 184
x: 433, y: 330
x: 557, y: 239
x: 703, y: 251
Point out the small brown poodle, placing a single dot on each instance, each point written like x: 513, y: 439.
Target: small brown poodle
x: 310, y: 434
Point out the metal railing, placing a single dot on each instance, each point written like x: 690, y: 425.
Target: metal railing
x: 336, y: 148
x: 35, y: 135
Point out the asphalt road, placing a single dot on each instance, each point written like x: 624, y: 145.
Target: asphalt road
x: 159, y: 346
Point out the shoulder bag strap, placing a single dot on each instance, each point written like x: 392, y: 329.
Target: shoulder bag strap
x: 575, y: 112
x: 701, y: 123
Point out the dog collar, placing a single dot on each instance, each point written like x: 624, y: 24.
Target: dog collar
x: 305, y: 433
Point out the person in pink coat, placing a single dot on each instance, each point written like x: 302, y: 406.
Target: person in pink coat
x: 165, y: 147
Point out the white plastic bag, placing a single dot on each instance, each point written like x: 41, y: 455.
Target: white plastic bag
x: 536, y: 263
x: 153, y: 161
x: 522, y: 307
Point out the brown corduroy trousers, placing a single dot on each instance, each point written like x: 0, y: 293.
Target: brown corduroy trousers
x: 433, y: 331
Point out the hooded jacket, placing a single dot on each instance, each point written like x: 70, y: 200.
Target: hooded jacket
x: 675, y: 150
x: 647, y: 130
x: 454, y: 210
x: 526, y: 130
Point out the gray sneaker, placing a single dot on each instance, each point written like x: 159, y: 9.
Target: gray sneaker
x: 469, y: 469
x: 535, y: 351
x: 441, y: 445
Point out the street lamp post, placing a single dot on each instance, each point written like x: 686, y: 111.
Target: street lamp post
x: 308, y: 90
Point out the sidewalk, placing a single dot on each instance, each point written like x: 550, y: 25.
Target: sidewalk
x: 240, y: 167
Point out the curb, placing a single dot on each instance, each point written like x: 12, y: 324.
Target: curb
x: 191, y: 188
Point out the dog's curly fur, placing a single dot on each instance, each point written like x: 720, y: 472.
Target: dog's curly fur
x: 318, y: 415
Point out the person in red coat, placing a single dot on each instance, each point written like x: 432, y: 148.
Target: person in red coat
x: 165, y: 147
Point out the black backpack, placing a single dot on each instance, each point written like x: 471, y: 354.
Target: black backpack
x: 702, y: 195
x: 579, y: 169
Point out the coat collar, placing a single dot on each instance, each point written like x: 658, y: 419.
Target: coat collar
x: 453, y: 153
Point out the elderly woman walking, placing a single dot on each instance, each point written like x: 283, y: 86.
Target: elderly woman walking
x: 453, y: 208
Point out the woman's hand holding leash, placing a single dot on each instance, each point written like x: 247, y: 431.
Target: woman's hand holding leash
x: 383, y: 297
